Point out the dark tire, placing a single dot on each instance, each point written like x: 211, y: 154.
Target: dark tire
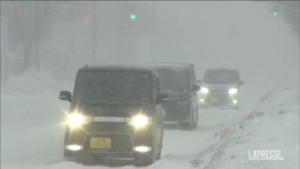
x: 143, y: 161
x: 80, y: 160
x: 197, y: 118
x: 161, y: 145
x: 195, y: 125
x: 68, y: 153
x: 188, y: 126
x: 89, y: 160
x: 158, y: 156
x: 194, y: 122
x: 69, y: 159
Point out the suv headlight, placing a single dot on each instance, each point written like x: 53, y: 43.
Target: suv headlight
x: 232, y: 91
x: 140, y: 120
x: 204, y: 90
x: 77, y: 119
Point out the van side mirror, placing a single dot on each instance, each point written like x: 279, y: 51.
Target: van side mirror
x: 160, y: 98
x: 196, y: 88
x: 65, y: 95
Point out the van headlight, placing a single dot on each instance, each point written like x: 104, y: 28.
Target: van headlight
x: 232, y: 91
x: 204, y: 90
x: 140, y: 120
x: 77, y: 119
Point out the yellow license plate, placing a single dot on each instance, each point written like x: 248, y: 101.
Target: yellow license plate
x: 214, y: 99
x: 101, y: 143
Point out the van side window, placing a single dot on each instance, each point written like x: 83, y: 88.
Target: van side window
x: 153, y: 89
x: 157, y: 86
x: 191, y: 78
x: 194, y: 77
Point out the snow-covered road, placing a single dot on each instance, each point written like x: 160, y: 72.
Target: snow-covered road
x: 32, y: 133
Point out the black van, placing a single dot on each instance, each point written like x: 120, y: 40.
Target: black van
x: 178, y: 81
x: 115, y: 112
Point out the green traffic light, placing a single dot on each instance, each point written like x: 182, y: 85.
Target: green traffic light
x: 275, y: 13
x: 132, y: 16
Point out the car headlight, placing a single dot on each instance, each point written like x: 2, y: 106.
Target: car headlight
x: 232, y: 91
x: 77, y: 119
x: 140, y: 120
x: 204, y: 90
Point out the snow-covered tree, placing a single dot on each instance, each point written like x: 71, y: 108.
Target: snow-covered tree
x: 32, y: 22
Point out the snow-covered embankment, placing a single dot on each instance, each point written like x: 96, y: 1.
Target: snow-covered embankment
x: 273, y: 125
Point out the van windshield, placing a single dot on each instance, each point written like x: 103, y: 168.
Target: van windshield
x: 221, y: 77
x: 174, y: 78
x: 113, y: 87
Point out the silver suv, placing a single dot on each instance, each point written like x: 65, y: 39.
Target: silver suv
x: 220, y: 88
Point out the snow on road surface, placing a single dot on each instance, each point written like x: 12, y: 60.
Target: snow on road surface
x: 31, y: 113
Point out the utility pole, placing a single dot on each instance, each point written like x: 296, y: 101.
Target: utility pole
x: 94, y: 30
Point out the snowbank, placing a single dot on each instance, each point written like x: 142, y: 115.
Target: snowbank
x: 32, y: 82
x: 273, y: 125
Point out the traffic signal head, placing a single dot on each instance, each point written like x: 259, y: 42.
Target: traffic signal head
x: 275, y: 13
x: 132, y: 17
x: 87, y: 18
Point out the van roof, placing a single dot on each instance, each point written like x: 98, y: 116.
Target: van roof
x: 117, y: 67
x: 169, y: 64
x: 222, y: 69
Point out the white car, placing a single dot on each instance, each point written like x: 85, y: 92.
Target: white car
x: 220, y: 88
